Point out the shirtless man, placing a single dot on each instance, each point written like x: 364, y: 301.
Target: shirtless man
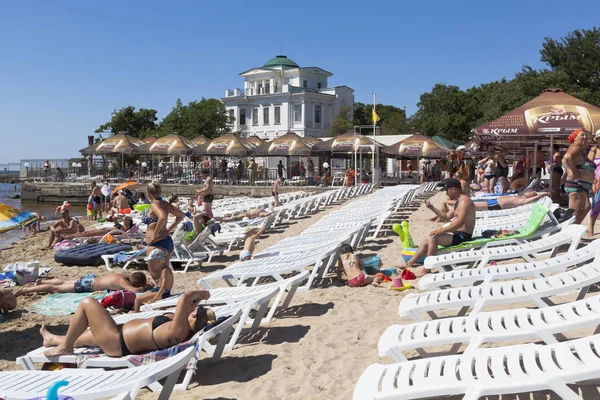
x: 250, y: 243
x: 459, y: 230
x: 135, y: 282
x: 353, y: 266
x: 207, y: 193
x: 8, y: 301
x: 64, y: 226
x: 97, y: 199
x: 275, y: 193
x: 120, y: 204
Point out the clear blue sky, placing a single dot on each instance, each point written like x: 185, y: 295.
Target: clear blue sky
x: 66, y: 65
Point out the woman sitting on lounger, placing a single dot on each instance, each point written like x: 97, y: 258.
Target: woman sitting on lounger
x: 134, y: 337
x: 353, y: 266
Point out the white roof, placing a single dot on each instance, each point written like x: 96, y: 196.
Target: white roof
x: 388, y: 140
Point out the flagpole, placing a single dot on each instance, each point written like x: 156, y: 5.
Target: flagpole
x: 374, y: 143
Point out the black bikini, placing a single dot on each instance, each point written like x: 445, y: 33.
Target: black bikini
x: 156, y: 322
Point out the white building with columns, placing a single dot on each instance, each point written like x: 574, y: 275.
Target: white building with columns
x: 282, y: 97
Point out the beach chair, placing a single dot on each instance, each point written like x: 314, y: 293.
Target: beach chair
x: 486, y: 372
x: 537, y: 291
x: 545, y: 324
x: 94, y: 358
x: 529, y: 251
x: 464, y: 277
x: 96, y: 384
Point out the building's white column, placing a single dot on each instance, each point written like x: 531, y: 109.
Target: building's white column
x: 272, y: 85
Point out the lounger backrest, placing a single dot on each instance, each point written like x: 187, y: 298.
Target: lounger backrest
x: 536, y: 218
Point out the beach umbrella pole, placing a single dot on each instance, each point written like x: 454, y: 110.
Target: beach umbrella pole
x: 550, y: 166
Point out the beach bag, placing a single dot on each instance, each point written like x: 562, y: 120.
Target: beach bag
x: 123, y: 299
x: 24, y: 272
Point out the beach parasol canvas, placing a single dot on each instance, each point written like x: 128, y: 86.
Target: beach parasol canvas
x: 255, y: 140
x: 225, y: 145
x: 13, y: 218
x: 121, y: 144
x: 289, y: 144
x: 345, y: 143
x: 416, y: 146
x: 172, y: 144
x: 200, y: 140
x: 127, y: 185
x: 89, y: 150
x: 552, y: 113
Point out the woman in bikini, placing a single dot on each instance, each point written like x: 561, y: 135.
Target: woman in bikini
x: 489, y: 172
x: 137, y: 336
x: 157, y: 234
x: 580, y: 173
x: 353, y: 266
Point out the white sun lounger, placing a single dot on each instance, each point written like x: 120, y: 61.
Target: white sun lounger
x: 485, y: 372
x: 491, y: 327
x: 464, y: 277
x: 232, y: 295
x: 95, y: 384
x: 537, y: 291
x: 569, y: 235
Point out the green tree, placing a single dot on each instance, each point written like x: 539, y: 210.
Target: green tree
x: 206, y: 117
x: 577, y: 55
x: 392, y: 120
x: 341, y: 123
x: 141, y: 123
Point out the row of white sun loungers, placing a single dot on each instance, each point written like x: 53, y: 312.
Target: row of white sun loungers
x: 236, y: 301
x: 479, y: 371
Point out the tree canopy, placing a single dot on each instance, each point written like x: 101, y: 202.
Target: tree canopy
x: 574, y: 63
x: 206, y: 117
x: 341, y: 123
x: 127, y: 120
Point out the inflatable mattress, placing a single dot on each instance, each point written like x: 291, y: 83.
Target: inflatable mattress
x: 89, y: 254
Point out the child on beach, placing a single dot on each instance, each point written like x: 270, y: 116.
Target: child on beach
x: 353, y: 266
x: 36, y: 226
x: 8, y: 301
x: 162, y: 291
x: 135, y: 282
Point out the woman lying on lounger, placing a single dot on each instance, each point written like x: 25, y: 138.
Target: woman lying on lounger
x: 134, y: 337
x: 127, y: 226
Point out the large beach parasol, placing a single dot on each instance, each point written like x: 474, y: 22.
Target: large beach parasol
x: 553, y: 113
x: 172, y: 144
x: 225, y: 145
x: 345, y: 143
x: 119, y: 144
x: 416, y: 146
x: 289, y: 144
x: 255, y: 140
x: 201, y: 140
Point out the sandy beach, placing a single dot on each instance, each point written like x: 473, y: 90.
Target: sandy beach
x: 316, y: 349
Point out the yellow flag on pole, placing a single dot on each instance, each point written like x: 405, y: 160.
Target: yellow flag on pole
x: 375, y: 117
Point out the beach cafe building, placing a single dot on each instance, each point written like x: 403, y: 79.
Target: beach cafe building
x: 281, y: 97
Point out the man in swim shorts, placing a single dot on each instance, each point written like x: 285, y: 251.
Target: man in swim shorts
x: 135, y: 282
x: 97, y: 200
x: 207, y: 193
x: 506, y: 202
x: 459, y: 230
